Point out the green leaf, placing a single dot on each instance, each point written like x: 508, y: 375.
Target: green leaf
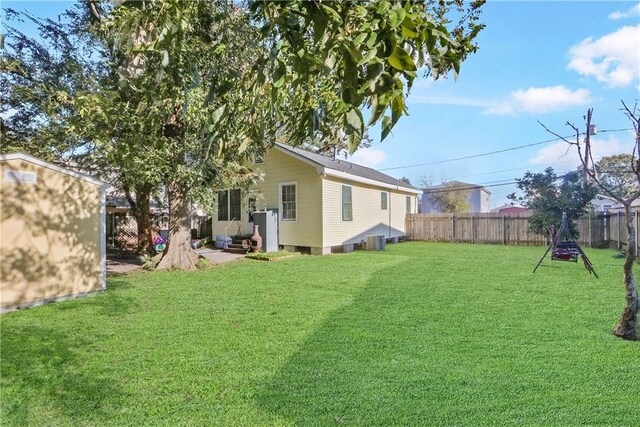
x: 359, y: 38
x: 335, y: 16
x: 397, y: 109
x: 386, y: 127
x: 279, y: 74
x: 400, y: 60
x: 217, y: 114
x: 367, y: 57
x: 353, y: 121
x: 396, y: 17
x: 373, y: 38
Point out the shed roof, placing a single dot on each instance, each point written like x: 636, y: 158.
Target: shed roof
x: 48, y: 165
x: 345, y: 166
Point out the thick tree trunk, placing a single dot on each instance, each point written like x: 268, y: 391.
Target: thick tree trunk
x: 141, y: 209
x: 143, y: 219
x: 627, y: 326
x: 179, y: 253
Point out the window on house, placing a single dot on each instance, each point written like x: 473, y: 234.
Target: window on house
x: 383, y: 200
x: 235, y: 204
x: 229, y: 205
x: 288, y: 201
x: 223, y: 205
x: 258, y: 158
x: 347, y: 205
x: 408, y: 204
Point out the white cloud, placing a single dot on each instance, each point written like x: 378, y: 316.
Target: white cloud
x: 540, y: 100
x: 613, y: 59
x: 630, y: 13
x: 368, y: 157
x: 568, y: 154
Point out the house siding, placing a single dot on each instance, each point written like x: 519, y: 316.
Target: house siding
x: 368, y: 217
x: 280, y: 168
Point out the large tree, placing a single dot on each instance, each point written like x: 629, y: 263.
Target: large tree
x: 49, y: 87
x: 625, y: 193
x: 188, y: 90
x: 303, y: 71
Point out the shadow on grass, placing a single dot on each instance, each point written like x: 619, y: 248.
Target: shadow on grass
x: 358, y: 367
x: 46, y: 364
x: 114, y: 302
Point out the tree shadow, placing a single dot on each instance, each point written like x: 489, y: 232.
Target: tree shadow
x: 51, y: 230
x: 436, y: 352
x: 47, y: 365
x: 357, y: 368
x: 114, y: 302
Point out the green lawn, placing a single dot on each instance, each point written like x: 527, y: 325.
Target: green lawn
x: 421, y: 334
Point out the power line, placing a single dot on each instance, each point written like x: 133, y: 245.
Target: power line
x: 475, y: 186
x: 492, y: 152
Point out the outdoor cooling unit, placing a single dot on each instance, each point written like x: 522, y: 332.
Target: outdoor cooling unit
x: 267, y: 222
x: 375, y: 243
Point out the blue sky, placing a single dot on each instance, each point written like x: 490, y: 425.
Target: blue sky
x: 542, y: 60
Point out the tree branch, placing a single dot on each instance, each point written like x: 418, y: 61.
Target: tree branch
x: 93, y: 9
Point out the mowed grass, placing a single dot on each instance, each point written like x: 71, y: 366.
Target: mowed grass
x: 420, y: 334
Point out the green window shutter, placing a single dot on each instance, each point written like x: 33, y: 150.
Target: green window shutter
x: 347, y: 204
x: 223, y: 205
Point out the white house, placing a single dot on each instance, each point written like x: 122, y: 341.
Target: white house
x: 479, y: 197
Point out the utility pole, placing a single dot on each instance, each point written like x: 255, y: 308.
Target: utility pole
x: 591, y: 130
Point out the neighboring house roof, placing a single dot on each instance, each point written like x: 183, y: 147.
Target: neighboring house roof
x: 44, y: 164
x: 343, y: 169
x: 512, y: 208
x: 117, y: 200
x: 458, y: 185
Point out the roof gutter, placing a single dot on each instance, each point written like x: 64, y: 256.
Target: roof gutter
x: 344, y: 175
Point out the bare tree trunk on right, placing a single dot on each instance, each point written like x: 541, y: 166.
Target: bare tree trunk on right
x: 628, y: 324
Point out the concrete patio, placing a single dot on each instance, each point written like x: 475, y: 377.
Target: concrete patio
x: 117, y: 265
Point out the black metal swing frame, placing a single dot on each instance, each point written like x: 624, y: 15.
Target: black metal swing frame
x: 566, y: 249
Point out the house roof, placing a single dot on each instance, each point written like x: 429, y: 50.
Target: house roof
x: 458, y: 185
x: 44, y: 164
x: 345, y: 168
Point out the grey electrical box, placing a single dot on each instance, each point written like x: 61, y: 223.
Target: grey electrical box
x: 267, y: 222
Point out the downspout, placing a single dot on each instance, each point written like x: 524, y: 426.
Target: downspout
x: 389, y: 206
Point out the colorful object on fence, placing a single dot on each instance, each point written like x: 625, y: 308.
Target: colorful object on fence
x: 566, y: 249
x: 159, y: 244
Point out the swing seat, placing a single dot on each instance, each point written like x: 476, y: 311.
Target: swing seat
x: 566, y: 251
x: 561, y: 255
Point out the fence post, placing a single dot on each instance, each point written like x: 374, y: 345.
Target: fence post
x: 619, y: 237
x: 473, y: 230
x: 590, y: 233
x: 504, y: 230
x: 453, y: 228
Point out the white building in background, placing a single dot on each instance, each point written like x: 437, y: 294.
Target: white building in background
x: 602, y: 203
x: 479, y: 197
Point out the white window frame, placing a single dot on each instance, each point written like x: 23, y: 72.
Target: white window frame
x: 342, y: 202
x: 409, y: 205
x: 386, y: 200
x: 256, y: 157
x: 228, y: 208
x: 280, y: 206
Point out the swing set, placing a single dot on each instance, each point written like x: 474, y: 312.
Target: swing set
x: 564, y: 247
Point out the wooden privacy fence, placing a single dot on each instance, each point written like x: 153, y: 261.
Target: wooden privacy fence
x: 608, y: 230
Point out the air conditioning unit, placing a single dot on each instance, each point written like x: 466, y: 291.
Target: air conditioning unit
x: 375, y: 243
